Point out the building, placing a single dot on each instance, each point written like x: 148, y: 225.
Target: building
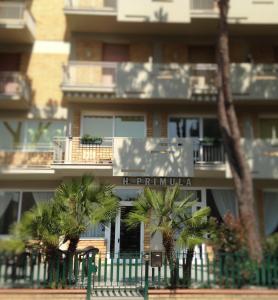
x: 125, y: 90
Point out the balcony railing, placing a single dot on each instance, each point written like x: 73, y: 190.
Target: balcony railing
x: 14, y: 85
x: 15, y: 14
x: 179, y: 81
x: 203, y: 4
x: 91, y: 5
x: 73, y: 151
x: 99, y: 76
x: 11, y: 12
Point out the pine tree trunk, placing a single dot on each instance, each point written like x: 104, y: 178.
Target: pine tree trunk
x: 231, y: 136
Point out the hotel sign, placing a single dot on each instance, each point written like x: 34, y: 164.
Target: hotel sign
x: 158, y: 181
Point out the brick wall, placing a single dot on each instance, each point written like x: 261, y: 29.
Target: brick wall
x: 210, y: 294
x: 90, y: 3
x: 100, y: 244
x: 50, y: 19
x: 26, y: 158
x: 90, y: 154
x: 46, y: 75
x: 42, y: 294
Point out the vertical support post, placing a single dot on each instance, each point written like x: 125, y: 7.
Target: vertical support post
x: 146, y: 289
x: 89, y: 283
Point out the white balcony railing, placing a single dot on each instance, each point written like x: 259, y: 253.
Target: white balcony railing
x: 99, y: 76
x: 14, y: 84
x: 91, y: 5
x: 74, y: 151
x: 12, y: 11
x: 178, y: 81
x: 203, y: 4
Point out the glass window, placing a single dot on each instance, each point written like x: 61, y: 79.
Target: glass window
x: 12, y: 134
x: 269, y: 128
x: 130, y: 126
x: 30, y: 199
x: 184, y: 127
x: 43, y: 132
x: 8, y: 210
x: 211, y: 128
x: 99, y: 126
x: 94, y: 231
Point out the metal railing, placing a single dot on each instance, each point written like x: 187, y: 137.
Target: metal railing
x: 15, y: 84
x: 134, y: 272
x: 93, y: 5
x: 91, y: 75
x: 75, y: 151
x: 205, y: 151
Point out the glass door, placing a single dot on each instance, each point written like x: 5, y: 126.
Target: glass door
x: 125, y: 241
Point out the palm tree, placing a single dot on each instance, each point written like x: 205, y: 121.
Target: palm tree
x: 170, y: 214
x: 84, y: 202
x: 42, y: 224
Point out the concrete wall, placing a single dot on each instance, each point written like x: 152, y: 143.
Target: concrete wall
x: 213, y: 294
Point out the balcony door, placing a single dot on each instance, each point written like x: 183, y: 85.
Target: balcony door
x: 205, y: 133
x: 116, y: 52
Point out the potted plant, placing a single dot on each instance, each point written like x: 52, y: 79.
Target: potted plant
x: 87, y: 139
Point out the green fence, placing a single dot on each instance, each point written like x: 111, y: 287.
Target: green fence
x: 132, y: 272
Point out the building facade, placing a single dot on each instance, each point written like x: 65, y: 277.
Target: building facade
x: 125, y: 90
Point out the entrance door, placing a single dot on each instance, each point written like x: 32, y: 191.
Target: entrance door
x: 130, y: 238
x: 121, y: 239
x: 125, y: 241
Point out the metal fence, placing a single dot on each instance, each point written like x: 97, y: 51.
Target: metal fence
x: 133, y: 272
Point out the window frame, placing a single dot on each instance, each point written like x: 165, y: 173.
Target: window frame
x: 191, y: 116
x: 113, y: 115
x: 266, y: 117
x: 24, y: 146
x: 21, y: 191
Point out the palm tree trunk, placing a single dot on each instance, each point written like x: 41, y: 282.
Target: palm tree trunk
x: 70, y: 257
x: 170, y: 253
x: 187, y: 267
x: 231, y: 137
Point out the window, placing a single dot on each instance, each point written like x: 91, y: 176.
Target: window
x: 14, y: 204
x: 184, y: 127
x: 129, y: 126
x: 12, y: 134
x: 211, y: 128
x: 114, y: 126
x: 23, y: 134
x: 9, y: 204
x: 30, y: 199
x: 269, y: 128
x: 43, y: 132
x: 98, y: 126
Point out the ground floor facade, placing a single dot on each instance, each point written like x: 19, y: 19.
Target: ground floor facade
x: 18, y: 196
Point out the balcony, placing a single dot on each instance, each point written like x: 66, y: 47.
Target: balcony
x: 262, y: 156
x: 16, y: 23
x: 139, y: 157
x: 87, y: 15
x: 167, y: 81
x: 15, y: 91
x: 27, y: 157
